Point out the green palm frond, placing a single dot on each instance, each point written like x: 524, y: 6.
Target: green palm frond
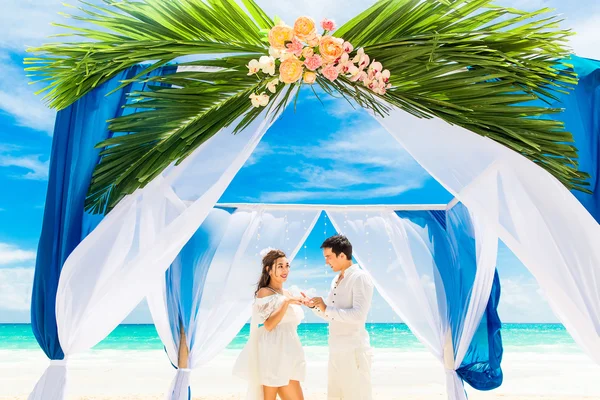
x: 179, y: 113
x: 468, y: 62
x: 127, y: 33
x: 476, y: 65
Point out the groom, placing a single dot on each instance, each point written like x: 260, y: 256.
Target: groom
x: 346, y: 310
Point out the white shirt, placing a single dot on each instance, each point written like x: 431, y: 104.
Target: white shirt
x: 348, y: 305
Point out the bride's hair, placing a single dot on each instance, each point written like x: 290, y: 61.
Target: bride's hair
x: 267, y: 263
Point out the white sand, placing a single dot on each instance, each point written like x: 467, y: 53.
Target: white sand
x: 111, y: 375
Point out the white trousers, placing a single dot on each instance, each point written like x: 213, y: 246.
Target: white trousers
x: 349, y: 375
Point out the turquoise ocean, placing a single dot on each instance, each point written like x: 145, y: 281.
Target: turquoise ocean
x: 516, y: 337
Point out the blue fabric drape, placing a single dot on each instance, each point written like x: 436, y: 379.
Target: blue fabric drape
x: 78, y: 129
x: 581, y: 115
x: 186, y: 277
x: 481, y: 364
x: 452, y: 242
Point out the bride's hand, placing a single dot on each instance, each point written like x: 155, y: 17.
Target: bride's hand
x: 295, y: 301
x: 307, y: 301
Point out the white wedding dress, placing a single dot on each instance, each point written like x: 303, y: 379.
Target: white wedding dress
x: 271, y: 358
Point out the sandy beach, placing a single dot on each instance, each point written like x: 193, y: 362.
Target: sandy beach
x: 121, y: 375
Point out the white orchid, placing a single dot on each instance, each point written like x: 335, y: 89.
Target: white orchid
x: 267, y: 64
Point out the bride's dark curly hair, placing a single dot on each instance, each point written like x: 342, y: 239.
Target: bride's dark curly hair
x: 267, y: 264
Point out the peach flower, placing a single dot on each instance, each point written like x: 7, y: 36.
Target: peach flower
x: 279, y: 35
x: 330, y: 48
x: 310, y: 77
x: 307, y: 52
x: 313, y: 41
x: 290, y: 70
x: 304, y: 28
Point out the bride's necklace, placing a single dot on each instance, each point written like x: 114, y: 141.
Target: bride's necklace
x: 275, y: 290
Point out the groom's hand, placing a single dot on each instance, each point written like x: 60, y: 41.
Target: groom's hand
x: 307, y: 301
x: 319, y: 303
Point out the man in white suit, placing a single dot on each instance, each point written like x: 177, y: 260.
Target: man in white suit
x: 346, y: 309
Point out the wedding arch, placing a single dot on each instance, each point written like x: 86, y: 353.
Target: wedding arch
x: 451, y: 84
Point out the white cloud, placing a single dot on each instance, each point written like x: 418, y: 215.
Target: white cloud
x: 361, y: 163
x: 37, y: 169
x: 586, y: 42
x: 15, y: 288
x: 521, y: 300
x: 17, y: 98
x: 11, y: 254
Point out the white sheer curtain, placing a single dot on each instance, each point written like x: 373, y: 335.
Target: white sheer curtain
x: 52, y: 383
x: 539, y: 219
x: 113, y: 268
x: 225, y: 304
x: 399, y: 255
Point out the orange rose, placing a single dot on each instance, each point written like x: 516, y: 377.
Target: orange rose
x: 310, y: 77
x: 304, y: 28
x: 279, y: 35
x: 330, y: 48
x: 290, y: 70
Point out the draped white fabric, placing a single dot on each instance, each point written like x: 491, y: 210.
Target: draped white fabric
x: 225, y: 304
x: 111, y: 271
x: 538, y: 218
x: 399, y: 255
x: 51, y: 385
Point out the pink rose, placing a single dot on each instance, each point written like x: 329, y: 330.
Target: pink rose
x: 330, y: 72
x: 313, y: 62
x: 328, y: 25
x: 295, y: 47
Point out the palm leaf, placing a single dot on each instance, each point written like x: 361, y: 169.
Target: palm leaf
x: 476, y: 65
x: 127, y: 33
x: 466, y: 61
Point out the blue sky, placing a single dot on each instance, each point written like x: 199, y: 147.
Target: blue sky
x: 331, y: 154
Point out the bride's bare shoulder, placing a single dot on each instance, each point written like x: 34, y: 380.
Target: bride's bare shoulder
x: 264, y: 292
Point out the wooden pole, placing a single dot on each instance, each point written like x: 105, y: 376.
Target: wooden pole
x: 182, y: 361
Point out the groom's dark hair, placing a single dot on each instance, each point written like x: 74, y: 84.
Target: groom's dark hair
x: 338, y: 244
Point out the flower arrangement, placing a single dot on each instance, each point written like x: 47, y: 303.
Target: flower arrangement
x: 300, y: 53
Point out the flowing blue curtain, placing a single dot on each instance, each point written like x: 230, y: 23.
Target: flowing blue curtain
x: 581, y: 115
x: 481, y: 364
x: 454, y: 252
x: 582, y: 118
x: 78, y: 129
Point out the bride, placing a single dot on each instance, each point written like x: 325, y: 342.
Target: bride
x: 273, y: 360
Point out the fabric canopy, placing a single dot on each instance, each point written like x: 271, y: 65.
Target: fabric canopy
x: 544, y: 224
x: 125, y: 256
x: 437, y: 274
x: 208, y: 289
x: 78, y: 129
